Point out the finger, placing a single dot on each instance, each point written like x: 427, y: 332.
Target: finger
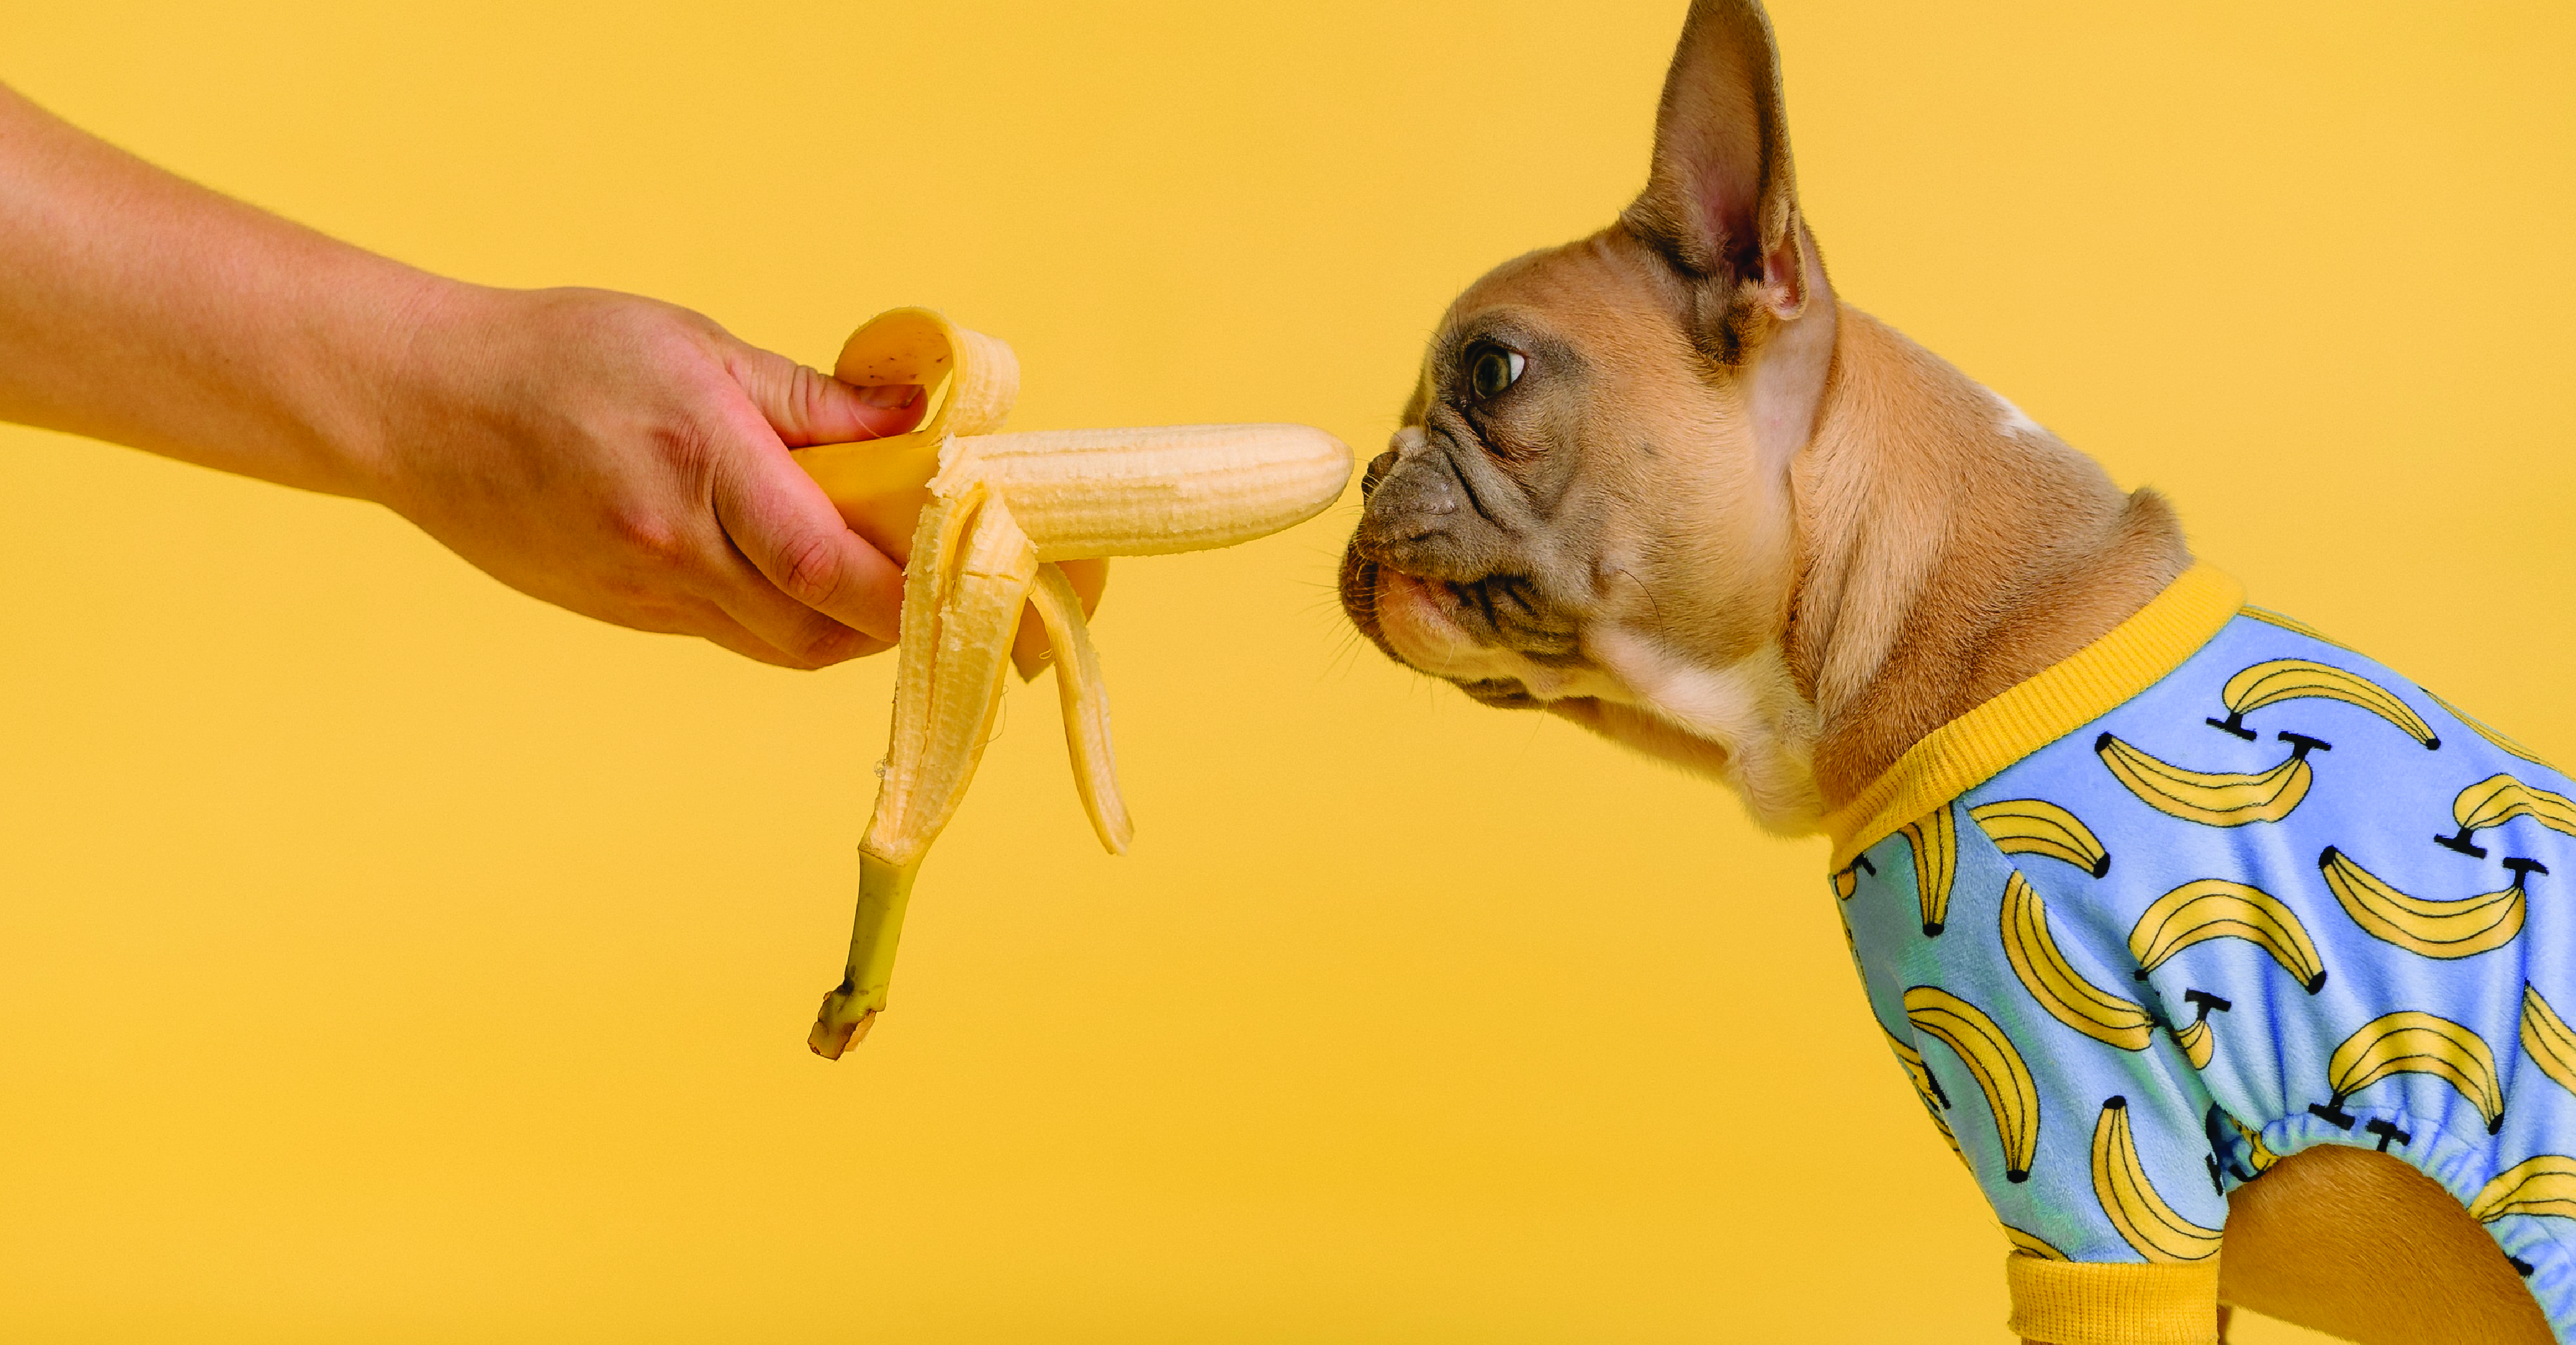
x: 803, y: 637
x: 787, y: 528
x: 805, y: 406
x: 711, y: 623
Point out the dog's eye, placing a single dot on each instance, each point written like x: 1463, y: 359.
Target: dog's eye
x: 1490, y: 369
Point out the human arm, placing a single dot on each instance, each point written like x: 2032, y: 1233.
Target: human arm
x: 615, y: 455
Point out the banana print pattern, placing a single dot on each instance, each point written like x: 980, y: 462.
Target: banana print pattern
x: 2499, y: 799
x: 1935, y: 839
x: 2056, y: 984
x: 1993, y: 1061
x: 2547, y: 1039
x: 2410, y: 1041
x: 2462, y: 928
x: 2039, y: 827
x: 2488, y: 731
x: 2128, y: 1195
x: 2277, y: 680
x: 2222, y: 939
x: 2218, y: 908
x: 2216, y: 798
x: 2540, y: 1186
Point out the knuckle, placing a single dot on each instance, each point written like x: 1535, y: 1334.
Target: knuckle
x: 810, y: 571
x: 651, y: 535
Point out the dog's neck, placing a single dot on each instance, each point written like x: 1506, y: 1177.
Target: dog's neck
x: 1948, y: 548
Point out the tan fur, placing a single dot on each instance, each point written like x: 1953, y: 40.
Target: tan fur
x: 1745, y: 528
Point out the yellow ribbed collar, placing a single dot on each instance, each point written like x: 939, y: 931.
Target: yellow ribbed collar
x: 2054, y: 702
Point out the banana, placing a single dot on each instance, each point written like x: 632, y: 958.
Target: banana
x: 2542, y: 1185
x: 2488, y: 731
x: 2155, y: 1228
x: 2215, y: 908
x: 2547, y: 1039
x: 2056, y: 984
x: 2216, y: 798
x: 2196, y: 1042
x: 2031, y: 1244
x: 2289, y: 679
x: 2259, y: 1157
x: 1925, y: 1087
x: 1935, y: 839
x: 2499, y: 799
x: 1995, y: 1063
x: 2038, y: 827
x: 2413, y: 1042
x: 2444, y: 929
x: 1847, y: 882
x: 984, y: 520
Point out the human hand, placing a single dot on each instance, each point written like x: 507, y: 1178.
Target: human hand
x: 628, y: 459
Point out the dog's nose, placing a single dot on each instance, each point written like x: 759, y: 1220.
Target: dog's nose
x: 1409, y: 504
x: 1378, y: 467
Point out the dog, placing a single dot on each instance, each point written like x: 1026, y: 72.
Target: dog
x: 1662, y: 482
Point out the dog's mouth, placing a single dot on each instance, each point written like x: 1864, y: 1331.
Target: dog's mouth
x: 1437, y: 625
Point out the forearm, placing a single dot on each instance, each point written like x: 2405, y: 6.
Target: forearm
x: 141, y: 308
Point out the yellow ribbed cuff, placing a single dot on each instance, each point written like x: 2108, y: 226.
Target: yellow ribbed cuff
x: 2079, y: 1303
x: 2054, y: 702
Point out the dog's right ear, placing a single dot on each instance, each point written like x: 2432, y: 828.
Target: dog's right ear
x: 1721, y: 204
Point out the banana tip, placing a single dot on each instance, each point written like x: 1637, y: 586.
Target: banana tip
x: 830, y: 1037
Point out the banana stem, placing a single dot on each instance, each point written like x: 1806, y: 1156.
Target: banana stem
x: 847, y: 1012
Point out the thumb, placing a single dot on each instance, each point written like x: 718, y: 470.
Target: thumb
x: 806, y: 406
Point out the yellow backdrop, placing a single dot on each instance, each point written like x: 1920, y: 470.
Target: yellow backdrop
x: 388, y: 957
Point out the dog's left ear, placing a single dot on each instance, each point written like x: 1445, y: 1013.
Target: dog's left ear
x: 1721, y: 204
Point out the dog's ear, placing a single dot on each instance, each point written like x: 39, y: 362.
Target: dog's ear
x: 1721, y: 204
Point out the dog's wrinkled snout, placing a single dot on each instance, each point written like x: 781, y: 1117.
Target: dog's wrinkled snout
x: 1411, y: 494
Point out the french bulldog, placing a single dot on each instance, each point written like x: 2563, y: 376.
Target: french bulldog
x: 1663, y: 482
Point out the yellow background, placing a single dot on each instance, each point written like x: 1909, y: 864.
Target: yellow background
x: 385, y: 956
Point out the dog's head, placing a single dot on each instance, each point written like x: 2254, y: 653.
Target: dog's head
x: 1587, y: 506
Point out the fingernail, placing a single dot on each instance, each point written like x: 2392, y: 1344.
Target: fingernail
x: 890, y: 395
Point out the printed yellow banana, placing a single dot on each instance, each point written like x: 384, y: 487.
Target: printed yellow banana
x: 2215, y: 798
x: 2413, y: 1042
x: 2120, y: 1182
x: 985, y: 518
x: 2216, y: 908
x: 2444, y: 929
x: 2039, y: 827
x: 2032, y: 1244
x: 2499, y: 799
x: 2259, y: 1157
x: 2487, y: 731
x: 1935, y: 840
x: 2542, y: 1185
x: 2056, y: 984
x: 2547, y: 1039
x: 2197, y: 1043
x: 1993, y: 1061
x: 2289, y: 679
x: 1925, y: 1087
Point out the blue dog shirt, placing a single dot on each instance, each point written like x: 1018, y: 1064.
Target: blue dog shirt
x: 2213, y: 891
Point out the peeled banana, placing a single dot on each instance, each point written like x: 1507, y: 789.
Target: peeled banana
x: 2219, y: 908
x: 2547, y: 1039
x: 2444, y: 929
x: 1997, y: 1065
x: 2414, y: 1042
x: 2039, y: 827
x: 2542, y: 1185
x: 2499, y: 799
x: 2289, y: 679
x: 2213, y: 798
x: 2144, y: 1219
x: 981, y: 521
x: 2056, y: 984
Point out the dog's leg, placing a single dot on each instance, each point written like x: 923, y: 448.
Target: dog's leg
x: 2359, y: 1245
